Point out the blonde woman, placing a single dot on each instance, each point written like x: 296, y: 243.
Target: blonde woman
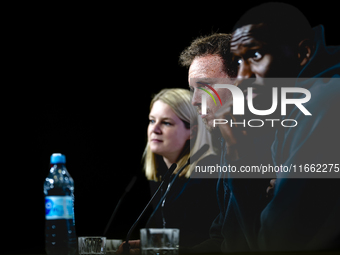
x: 175, y: 133
x: 174, y: 125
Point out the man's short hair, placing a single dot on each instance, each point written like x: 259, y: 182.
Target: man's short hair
x: 215, y: 44
x: 283, y: 22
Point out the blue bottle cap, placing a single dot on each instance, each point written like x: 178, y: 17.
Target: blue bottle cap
x: 58, y: 158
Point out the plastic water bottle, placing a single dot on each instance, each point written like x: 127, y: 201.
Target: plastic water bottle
x: 60, y: 235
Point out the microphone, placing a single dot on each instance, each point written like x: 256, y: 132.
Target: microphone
x: 127, y: 189
x: 191, y: 160
x: 126, y: 245
x: 198, y: 153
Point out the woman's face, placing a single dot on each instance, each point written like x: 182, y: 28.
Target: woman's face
x: 167, y: 134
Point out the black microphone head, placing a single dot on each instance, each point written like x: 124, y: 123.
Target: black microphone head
x: 172, y: 168
x: 198, y: 154
x: 169, y: 171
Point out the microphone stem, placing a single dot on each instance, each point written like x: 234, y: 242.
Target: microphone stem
x: 165, y: 194
x: 114, y: 213
x: 126, y: 245
x: 127, y: 189
x: 146, y: 207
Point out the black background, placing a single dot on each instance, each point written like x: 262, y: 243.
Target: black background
x: 78, y: 80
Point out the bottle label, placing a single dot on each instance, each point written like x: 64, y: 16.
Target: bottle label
x: 59, y: 207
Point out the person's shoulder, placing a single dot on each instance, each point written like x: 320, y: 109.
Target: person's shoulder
x: 324, y: 98
x: 325, y: 94
x: 323, y: 106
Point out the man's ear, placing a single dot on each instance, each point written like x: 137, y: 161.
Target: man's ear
x: 193, y: 131
x: 305, y: 51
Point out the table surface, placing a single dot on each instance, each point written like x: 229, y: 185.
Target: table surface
x: 240, y: 253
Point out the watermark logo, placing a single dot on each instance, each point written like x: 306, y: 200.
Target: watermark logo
x: 278, y: 96
x: 204, y: 96
x: 239, y: 100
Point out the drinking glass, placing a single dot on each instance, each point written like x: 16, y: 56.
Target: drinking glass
x: 92, y: 245
x: 159, y: 241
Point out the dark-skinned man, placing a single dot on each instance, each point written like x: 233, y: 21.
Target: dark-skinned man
x: 272, y: 43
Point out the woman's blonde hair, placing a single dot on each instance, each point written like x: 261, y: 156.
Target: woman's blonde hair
x: 179, y: 101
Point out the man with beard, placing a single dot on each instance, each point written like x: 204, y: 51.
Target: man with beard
x: 210, y: 63
x: 275, y: 40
